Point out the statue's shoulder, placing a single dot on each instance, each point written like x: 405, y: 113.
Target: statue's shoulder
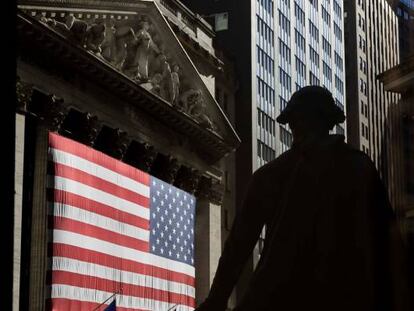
x: 282, y: 162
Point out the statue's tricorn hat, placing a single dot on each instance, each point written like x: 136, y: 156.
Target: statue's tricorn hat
x: 317, y: 102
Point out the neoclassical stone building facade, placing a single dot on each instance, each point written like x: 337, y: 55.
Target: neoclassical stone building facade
x: 114, y: 76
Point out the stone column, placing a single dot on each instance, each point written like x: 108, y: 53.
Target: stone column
x: 207, y: 246
x: 24, y: 93
x: 38, y: 251
x: 18, y: 201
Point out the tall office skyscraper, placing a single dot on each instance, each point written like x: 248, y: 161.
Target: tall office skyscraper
x: 371, y: 38
x: 405, y: 13
x: 278, y: 47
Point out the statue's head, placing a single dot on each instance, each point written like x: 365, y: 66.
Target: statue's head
x: 176, y: 68
x: 162, y: 57
x: 312, y: 105
x: 145, y: 25
x: 156, y: 79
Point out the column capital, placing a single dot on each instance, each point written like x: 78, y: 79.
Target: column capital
x: 24, y: 93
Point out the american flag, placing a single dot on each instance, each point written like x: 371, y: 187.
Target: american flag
x: 116, y: 229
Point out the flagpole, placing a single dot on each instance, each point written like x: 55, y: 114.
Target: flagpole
x: 172, y: 307
x: 105, y: 301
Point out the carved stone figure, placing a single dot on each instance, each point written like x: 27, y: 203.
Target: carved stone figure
x: 193, y: 103
x: 74, y: 28
x: 115, y: 44
x: 77, y: 28
x: 95, y: 35
x: 143, y: 49
x: 166, y: 82
x: 129, y: 65
x: 175, y: 78
x: 199, y: 112
x: 190, y: 98
x: 108, y: 45
x: 155, y: 84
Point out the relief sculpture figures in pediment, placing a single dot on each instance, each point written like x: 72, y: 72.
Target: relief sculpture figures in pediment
x: 133, y: 47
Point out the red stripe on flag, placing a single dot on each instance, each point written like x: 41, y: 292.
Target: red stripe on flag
x: 86, y: 281
x: 76, y: 305
x: 81, y: 254
x: 100, y: 184
x: 78, y: 201
x: 66, y: 224
x: 85, y: 152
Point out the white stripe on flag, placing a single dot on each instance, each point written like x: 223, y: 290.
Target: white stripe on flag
x: 74, y: 213
x: 92, y: 295
x: 88, y: 192
x: 94, y: 169
x: 95, y: 270
x: 78, y: 240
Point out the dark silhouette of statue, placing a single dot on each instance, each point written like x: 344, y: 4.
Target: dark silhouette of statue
x: 329, y: 225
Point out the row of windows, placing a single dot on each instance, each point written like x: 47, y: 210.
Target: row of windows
x: 313, y: 31
x: 314, y: 56
x: 265, y: 152
x: 362, y: 44
x: 284, y: 23
x: 314, y: 3
x: 286, y: 2
x: 300, y: 67
x: 285, y: 79
x: 361, y: 22
x: 299, y: 40
x: 327, y: 71
x: 339, y: 104
x: 364, y: 131
x: 337, y: 9
x: 265, y: 30
x: 363, y: 65
x: 266, y: 122
x: 282, y: 103
x: 339, y: 84
x: 313, y: 80
x: 337, y: 32
x: 363, y: 87
x: 326, y: 16
x: 264, y: 60
x: 284, y: 51
x: 364, y: 109
x: 338, y: 61
x: 326, y: 46
x: 267, y: 5
x: 265, y: 91
x: 299, y: 14
x: 285, y: 137
x: 361, y: 3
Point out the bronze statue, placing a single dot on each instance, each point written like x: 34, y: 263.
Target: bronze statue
x: 328, y: 221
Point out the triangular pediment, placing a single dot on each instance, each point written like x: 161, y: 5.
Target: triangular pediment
x: 135, y: 39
